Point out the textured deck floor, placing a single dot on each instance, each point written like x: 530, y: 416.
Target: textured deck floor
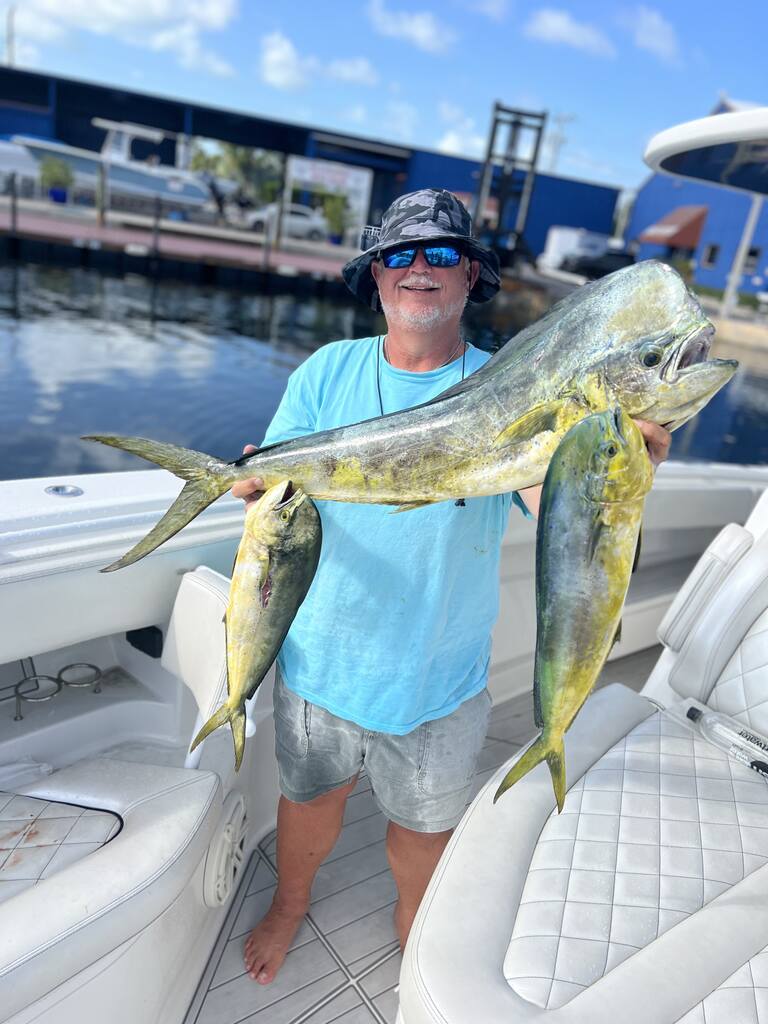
x: 344, y: 964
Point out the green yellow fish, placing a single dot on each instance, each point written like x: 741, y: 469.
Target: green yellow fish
x: 586, y: 541
x: 636, y: 338
x: 274, y: 568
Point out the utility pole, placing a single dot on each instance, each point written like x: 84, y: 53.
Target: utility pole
x: 10, y: 18
x: 557, y: 139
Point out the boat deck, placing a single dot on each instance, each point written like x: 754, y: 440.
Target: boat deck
x: 344, y: 964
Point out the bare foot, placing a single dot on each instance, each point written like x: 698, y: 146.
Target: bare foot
x: 270, y: 940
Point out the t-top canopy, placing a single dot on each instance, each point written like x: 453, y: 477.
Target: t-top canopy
x: 726, y: 149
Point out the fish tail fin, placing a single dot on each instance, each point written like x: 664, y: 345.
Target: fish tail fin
x: 556, y: 761
x: 203, y: 487
x: 237, y: 723
x: 236, y: 718
x: 541, y: 750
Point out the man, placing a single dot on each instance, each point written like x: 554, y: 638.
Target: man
x: 385, y: 665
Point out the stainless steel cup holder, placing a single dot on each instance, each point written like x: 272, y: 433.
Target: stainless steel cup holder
x: 34, y: 696
x: 81, y: 673
x: 42, y: 687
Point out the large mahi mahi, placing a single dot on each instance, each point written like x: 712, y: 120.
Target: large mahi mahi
x: 637, y: 338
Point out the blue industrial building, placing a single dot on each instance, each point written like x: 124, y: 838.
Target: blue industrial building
x: 51, y: 107
x: 674, y: 218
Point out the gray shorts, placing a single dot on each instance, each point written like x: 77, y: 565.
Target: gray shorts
x: 421, y: 780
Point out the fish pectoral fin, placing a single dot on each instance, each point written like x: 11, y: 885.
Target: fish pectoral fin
x: 617, y: 634
x: 541, y: 417
x: 596, y: 533
x: 554, y: 415
x: 408, y: 505
x: 636, y: 561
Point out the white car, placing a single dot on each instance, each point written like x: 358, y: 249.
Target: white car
x: 298, y: 221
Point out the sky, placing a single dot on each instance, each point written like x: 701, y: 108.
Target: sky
x: 424, y: 72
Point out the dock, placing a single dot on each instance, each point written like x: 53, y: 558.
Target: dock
x: 125, y: 242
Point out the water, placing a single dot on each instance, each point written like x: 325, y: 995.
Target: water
x: 82, y: 353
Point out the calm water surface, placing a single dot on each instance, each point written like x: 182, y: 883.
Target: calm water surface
x: 81, y: 353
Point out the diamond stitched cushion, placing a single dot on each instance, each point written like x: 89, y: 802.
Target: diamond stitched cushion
x: 660, y: 825
x: 40, y: 837
x: 742, y: 997
x: 740, y: 691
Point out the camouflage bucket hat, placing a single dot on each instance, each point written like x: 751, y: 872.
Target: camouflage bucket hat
x: 424, y: 216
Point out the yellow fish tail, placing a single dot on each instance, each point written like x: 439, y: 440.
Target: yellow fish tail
x: 203, y: 487
x: 543, y: 749
x: 236, y: 718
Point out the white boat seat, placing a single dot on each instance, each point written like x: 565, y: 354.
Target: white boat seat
x: 657, y: 828
x: 567, y: 957
x: 195, y: 651
x: 53, y: 929
x: 40, y: 837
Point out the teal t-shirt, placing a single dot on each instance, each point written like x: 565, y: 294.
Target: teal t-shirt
x: 396, y: 627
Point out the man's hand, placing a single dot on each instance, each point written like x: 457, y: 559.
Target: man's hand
x: 657, y: 441
x: 250, y: 490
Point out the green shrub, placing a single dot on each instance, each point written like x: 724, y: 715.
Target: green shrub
x: 748, y: 299
x: 55, y: 173
x: 335, y: 210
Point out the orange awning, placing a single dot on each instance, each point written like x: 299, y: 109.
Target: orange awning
x: 681, y: 228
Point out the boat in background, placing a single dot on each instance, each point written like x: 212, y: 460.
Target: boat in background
x: 134, y: 185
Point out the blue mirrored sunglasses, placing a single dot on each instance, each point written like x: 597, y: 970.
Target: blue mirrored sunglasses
x: 435, y: 255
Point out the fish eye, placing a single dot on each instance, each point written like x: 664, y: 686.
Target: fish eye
x: 651, y: 356
x: 285, y: 515
x: 611, y: 450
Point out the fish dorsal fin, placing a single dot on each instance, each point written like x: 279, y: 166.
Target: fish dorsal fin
x: 553, y: 415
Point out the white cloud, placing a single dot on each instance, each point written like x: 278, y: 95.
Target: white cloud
x: 358, y: 70
x: 173, y: 26
x: 184, y: 41
x: 559, y: 27
x: 651, y: 31
x: 116, y: 18
x: 420, y: 28
x: 280, y: 64
x: 461, y: 135
x: 496, y: 10
x: 283, y: 67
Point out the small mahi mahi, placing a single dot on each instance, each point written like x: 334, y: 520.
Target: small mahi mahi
x: 586, y: 542
x: 275, y: 565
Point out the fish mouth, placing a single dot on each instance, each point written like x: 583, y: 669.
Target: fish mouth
x: 692, y: 351
x: 290, y: 497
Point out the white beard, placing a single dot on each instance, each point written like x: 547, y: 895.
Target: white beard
x: 423, y: 319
